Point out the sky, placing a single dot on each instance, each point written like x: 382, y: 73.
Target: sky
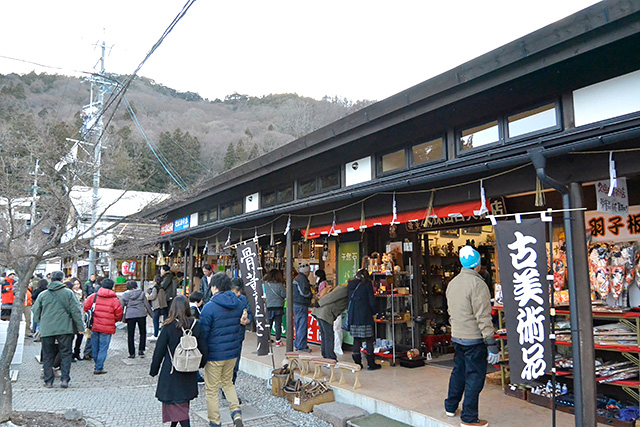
x: 349, y: 48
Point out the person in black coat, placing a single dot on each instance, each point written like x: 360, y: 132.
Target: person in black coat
x: 362, y: 305
x: 176, y: 389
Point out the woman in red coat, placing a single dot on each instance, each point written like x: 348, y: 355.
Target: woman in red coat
x: 107, y: 312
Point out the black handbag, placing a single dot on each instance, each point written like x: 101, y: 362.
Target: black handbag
x: 345, y: 324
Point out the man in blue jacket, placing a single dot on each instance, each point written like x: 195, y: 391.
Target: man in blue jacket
x: 220, y: 319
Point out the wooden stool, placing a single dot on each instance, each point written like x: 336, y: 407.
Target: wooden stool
x: 291, y: 357
x: 318, y: 363
x: 355, y: 369
x: 304, y: 359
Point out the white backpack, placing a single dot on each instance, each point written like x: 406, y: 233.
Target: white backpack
x: 187, y: 357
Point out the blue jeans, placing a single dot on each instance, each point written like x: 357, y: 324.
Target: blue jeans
x: 99, y: 347
x: 301, y: 324
x: 469, y: 371
x: 156, y: 319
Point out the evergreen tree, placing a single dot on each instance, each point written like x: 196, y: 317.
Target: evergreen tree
x: 241, y: 153
x: 255, y: 152
x: 230, y: 159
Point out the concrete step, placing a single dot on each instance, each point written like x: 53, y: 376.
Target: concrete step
x: 338, y: 414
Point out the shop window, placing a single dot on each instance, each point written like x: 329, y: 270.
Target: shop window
x: 534, y: 120
x: 329, y: 181
x: 269, y: 199
x: 393, y: 161
x: 285, y: 194
x: 427, y: 152
x: 307, y: 188
x: 479, y: 135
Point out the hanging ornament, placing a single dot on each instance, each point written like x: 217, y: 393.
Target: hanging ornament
x: 363, y: 225
x: 206, y: 246
x: 306, y: 233
x: 228, y: 239
x: 217, y: 245
x: 483, y: 202
x: 427, y: 214
x: 333, y: 224
x: 613, y: 175
x: 286, y: 230
x: 255, y: 234
x: 271, y: 240
x: 540, y: 200
x: 395, y: 210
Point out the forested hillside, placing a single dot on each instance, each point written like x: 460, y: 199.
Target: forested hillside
x: 200, y: 138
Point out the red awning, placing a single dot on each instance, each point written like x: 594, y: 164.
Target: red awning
x: 467, y: 209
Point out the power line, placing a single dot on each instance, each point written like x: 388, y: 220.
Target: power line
x: 155, y: 153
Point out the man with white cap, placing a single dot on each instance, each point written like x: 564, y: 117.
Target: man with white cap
x: 469, y: 307
x: 301, y: 302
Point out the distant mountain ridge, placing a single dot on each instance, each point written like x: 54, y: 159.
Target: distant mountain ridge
x: 199, y: 137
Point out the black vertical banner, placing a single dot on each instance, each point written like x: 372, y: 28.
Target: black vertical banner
x: 522, y: 258
x: 251, y: 275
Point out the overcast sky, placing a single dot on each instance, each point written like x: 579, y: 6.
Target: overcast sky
x: 355, y: 49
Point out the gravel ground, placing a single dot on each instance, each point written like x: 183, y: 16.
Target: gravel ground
x: 256, y: 391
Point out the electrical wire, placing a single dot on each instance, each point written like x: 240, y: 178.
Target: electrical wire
x: 181, y: 184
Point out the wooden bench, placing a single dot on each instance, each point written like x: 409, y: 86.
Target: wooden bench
x: 305, y: 359
x: 355, y: 369
x: 319, y: 363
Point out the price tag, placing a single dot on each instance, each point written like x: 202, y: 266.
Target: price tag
x: 296, y: 401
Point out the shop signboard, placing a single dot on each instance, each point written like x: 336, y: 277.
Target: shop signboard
x: 166, y: 228
x: 348, y: 261
x: 313, y: 331
x: 621, y: 227
x: 618, y: 202
x: 251, y: 275
x: 523, y: 264
x: 181, y: 224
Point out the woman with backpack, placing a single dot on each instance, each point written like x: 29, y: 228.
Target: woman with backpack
x: 176, y: 389
x: 136, y: 307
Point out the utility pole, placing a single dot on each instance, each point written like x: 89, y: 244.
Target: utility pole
x: 93, y: 128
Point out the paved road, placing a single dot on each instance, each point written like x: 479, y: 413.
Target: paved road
x: 125, y: 396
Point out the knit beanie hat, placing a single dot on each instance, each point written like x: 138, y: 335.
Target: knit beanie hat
x: 469, y: 257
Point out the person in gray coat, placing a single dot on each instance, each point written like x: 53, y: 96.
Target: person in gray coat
x: 329, y: 308
x: 275, y: 295
x: 136, y: 306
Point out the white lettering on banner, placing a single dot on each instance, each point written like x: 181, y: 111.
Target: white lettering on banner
x: 248, y: 257
x: 526, y: 257
x: 530, y: 325
x: 527, y: 287
x: 527, y: 290
x: 534, y: 364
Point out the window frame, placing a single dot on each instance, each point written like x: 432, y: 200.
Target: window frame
x: 458, y: 135
x: 550, y: 129
x: 231, y: 205
x: 380, y: 172
x: 413, y: 165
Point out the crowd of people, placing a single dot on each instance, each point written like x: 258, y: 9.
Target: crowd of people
x: 62, y: 314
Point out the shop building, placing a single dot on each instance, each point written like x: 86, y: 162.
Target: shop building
x: 399, y: 186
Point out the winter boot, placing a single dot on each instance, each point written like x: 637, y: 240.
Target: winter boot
x: 357, y: 359
x: 371, y: 363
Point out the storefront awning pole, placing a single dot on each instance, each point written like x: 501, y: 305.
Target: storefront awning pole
x: 585, y: 397
x: 289, y: 280
x: 582, y: 295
